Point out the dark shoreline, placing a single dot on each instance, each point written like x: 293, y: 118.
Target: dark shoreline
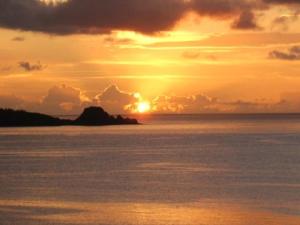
x: 92, y: 116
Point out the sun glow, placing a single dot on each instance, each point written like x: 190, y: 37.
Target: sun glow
x: 143, y: 107
x: 139, y: 106
x: 54, y: 2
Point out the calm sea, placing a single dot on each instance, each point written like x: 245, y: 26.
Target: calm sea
x: 173, y: 170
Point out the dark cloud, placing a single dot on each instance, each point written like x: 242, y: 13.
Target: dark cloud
x: 193, y: 55
x: 224, y: 8
x: 27, y: 66
x: 246, y: 20
x: 292, y: 54
x: 91, y: 16
x: 283, y: 21
x: 283, y: 1
x: 103, y: 16
x: 295, y: 50
x: 118, y: 41
x: 18, y: 38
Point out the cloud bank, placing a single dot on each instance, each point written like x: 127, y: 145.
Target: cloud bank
x: 67, y: 100
x: 59, y: 100
x: 103, y: 16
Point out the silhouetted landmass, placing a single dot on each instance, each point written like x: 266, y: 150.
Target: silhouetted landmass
x: 13, y: 118
x: 93, y: 116
x: 96, y: 116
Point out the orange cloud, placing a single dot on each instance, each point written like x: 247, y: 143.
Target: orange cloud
x: 67, y: 100
x: 114, y: 100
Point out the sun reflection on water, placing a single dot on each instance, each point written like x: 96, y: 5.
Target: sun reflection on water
x: 207, y: 212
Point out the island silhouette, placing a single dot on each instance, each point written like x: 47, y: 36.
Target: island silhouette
x: 92, y: 116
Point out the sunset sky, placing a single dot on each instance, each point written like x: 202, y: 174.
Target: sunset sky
x: 167, y: 56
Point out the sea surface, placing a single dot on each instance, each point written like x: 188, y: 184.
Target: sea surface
x: 172, y: 170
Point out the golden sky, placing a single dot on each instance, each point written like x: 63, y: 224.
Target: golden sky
x: 173, y: 56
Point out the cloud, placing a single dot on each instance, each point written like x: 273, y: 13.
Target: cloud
x: 290, y: 102
x: 292, y: 54
x: 184, y: 104
x: 191, y: 55
x: 91, y: 16
x: 5, y: 69
x: 283, y: 1
x: 104, y: 16
x: 204, y: 104
x: 59, y: 100
x: 283, y: 21
x: 67, y: 100
x: 27, y: 66
x: 246, y: 20
x: 64, y: 99
x: 114, y: 100
x: 171, y: 104
x: 225, y: 8
x: 118, y: 41
x: 242, y: 106
x: 11, y: 101
x: 18, y: 39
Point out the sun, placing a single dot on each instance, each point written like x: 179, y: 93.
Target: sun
x: 143, y: 107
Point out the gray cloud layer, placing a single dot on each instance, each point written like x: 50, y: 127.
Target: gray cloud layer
x: 102, y: 16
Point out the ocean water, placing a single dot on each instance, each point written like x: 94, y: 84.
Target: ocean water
x: 172, y: 170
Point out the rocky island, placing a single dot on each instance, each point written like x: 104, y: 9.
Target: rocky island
x: 92, y: 116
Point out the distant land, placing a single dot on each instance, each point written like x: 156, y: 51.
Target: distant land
x: 92, y: 116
